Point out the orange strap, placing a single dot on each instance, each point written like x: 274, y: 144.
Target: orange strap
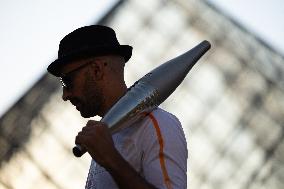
x: 161, y: 151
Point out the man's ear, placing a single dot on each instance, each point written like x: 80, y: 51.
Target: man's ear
x: 98, y: 69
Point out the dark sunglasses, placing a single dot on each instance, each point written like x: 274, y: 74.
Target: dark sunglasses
x: 66, y: 79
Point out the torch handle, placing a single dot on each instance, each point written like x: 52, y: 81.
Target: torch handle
x: 78, y: 151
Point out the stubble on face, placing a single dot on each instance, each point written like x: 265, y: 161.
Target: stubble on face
x: 93, y: 98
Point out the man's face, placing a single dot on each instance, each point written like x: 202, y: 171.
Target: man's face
x: 81, y: 88
x: 92, y: 98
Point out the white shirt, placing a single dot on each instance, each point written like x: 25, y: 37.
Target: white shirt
x: 155, y: 147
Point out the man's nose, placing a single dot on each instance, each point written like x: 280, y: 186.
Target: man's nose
x: 66, y: 94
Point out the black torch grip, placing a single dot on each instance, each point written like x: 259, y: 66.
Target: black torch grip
x: 78, y: 151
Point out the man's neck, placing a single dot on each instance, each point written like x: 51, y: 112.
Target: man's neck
x: 114, y: 95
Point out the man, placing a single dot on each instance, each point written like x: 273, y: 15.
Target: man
x: 151, y: 153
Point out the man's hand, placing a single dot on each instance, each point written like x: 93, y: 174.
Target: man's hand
x: 95, y: 137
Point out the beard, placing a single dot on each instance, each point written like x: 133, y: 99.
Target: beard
x: 93, y: 99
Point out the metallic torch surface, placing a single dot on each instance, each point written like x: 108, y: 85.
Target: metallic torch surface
x: 150, y: 91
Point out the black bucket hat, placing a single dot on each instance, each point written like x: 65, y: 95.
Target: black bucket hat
x: 88, y: 41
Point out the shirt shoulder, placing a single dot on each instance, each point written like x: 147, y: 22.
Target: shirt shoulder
x: 156, y: 148
x: 165, y: 150
x: 167, y: 123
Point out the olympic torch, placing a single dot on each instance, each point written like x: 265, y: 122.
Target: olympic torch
x: 150, y: 91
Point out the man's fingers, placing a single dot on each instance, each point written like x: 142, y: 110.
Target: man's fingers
x: 79, y: 138
x: 87, y: 128
x: 92, y: 122
x: 82, y: 137
x: 92, y: 131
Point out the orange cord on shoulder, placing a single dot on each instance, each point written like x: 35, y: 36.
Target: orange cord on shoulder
x: 161, y: 151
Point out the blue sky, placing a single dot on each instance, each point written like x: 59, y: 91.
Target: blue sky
x: 30, y: 32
